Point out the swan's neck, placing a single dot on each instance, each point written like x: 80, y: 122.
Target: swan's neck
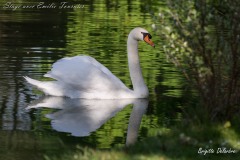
x: 139, y: 87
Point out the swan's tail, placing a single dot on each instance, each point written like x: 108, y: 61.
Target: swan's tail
x: 42, y: 86
x: 34, y: 82
x: 53, y: 88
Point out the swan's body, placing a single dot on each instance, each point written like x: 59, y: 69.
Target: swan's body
x: 84, y: 77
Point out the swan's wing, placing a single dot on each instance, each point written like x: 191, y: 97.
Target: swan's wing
x: 84, y: 73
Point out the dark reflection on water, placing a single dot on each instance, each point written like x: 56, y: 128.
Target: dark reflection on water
x: 32, y: 39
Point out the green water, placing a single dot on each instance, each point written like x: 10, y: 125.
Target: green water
x: 31, y: 40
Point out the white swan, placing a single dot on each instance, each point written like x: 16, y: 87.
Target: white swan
x: 84, y: 77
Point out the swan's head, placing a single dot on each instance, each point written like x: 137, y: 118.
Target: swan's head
x: 141, y: 34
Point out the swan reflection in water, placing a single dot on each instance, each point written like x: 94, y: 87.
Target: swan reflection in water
x: 80, y: 117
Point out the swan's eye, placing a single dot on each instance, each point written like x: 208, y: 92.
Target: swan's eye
x: 146, y: 34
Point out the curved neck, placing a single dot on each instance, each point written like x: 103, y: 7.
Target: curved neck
x: 139, y: 86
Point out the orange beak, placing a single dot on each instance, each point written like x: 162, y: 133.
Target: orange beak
x: 148, y: 40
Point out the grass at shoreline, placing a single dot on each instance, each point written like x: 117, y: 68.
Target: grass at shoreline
x: 175, y: 145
